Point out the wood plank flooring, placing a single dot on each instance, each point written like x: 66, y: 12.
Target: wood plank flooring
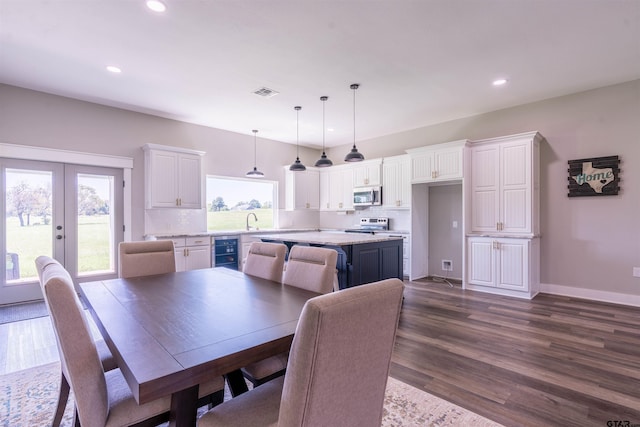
x: 546, y: 362
x: 552, y: 361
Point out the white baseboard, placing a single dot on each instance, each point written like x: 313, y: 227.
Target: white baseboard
x: 603, y: 296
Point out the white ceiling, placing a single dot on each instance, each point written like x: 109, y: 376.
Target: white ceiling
x: 418, y: 62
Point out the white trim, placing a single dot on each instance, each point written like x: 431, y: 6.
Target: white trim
x: 147, y: 147
x: 27, y: 152
x: 591, y: 294
x: 44, y: 154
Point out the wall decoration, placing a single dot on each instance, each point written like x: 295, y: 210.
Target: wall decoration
x: 598, y: 176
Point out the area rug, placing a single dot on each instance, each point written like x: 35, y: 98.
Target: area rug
x: 28, y: 399
x: 25, y: 311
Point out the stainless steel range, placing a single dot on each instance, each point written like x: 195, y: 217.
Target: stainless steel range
x: 370, y: 225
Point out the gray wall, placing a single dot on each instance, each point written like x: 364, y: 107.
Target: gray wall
x: 38, y: 119
x: 589, y: 245
x: 445, y: 241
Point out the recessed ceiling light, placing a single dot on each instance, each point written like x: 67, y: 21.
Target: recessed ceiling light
x: 330, y: 129
x: 500, y: 82
x: 156, y: 5
x: 113, y: 69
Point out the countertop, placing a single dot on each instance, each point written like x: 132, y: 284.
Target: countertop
x: 379, y: 236
x: 333, y: 238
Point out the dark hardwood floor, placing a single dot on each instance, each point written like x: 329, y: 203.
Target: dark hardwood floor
x: 550, y: 361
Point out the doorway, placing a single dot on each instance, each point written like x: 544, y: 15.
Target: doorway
x: 69, y: 212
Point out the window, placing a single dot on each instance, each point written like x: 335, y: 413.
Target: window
x: 231, y: 200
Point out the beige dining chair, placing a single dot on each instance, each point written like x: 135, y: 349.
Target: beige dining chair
x: 102, y: 398
x: 265, y: 260
x: 357, y: 325
x: 146, y: 257
x: 106, y: 358
x: 311, y: 268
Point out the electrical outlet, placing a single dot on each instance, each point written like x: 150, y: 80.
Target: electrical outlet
x: 636, y: 271
x: 447, y: 265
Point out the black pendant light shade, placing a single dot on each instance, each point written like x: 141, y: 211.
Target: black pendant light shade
x: 255, y: 173
x: 323, y: 161
x: 297, y: 166
x: 354, y: 155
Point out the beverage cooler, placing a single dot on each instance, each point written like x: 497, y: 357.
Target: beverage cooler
x: 225, y: 252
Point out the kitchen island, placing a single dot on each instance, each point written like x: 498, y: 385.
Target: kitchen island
x: 362, y: 258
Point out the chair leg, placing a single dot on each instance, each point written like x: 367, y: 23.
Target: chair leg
x: 63, y: 396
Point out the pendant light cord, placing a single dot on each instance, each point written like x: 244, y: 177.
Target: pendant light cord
x: 354, y: 87
x: 255, y: 151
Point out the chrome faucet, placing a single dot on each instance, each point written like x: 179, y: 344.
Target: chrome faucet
x: 249, y: 214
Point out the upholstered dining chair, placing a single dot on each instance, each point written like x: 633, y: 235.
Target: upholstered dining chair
x: 265, y: 260
x: 106, y: 358
x: 356, y: 325
x: 311, y: 268
x: 146, y: 257
x: 102, y: 398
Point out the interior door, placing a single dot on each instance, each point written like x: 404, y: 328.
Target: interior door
x: 71, y: 213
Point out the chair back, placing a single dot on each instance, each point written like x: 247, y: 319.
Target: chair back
x: 78, y: 354
x: 265, y: 260
x: 311, y: 268
x: 146, y: 258
x: 340, y: 357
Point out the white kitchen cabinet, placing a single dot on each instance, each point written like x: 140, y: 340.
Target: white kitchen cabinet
x: 173, y: 177
x: 192, y: 253
x: 506, y: 266
x: 341, y: 188
x: 302, y: 189
x: 439, y: 162
x: 367, y: 173
x: 396, y: 182
x: 336, y: 188
x: 504, y: 185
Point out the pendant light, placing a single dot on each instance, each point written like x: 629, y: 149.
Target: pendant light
x: 255, y: 173
x: 353, y: 155
x: 297, y: 166
x: 323, y: 161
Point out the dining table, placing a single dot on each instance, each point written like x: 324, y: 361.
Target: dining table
x: 171, y: 332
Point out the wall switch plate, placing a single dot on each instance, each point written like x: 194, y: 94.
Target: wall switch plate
x: 636, y: 271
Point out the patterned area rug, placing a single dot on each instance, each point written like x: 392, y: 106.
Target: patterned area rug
x: 27, y: 310
x: 28, y: 399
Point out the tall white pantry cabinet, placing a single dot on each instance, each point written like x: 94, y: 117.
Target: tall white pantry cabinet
x: 502, y: 195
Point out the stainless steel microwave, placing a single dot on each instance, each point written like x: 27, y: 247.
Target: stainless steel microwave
x: 367, y: 196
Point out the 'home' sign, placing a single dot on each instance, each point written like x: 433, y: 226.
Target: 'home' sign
x: 598, y: 176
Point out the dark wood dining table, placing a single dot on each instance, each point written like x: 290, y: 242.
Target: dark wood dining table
x: 171, y: 332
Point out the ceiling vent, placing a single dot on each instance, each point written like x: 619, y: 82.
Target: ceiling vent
x: 265, y: 92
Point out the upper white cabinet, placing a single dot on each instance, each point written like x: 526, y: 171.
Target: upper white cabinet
x: 173, y: 177
x: 367, y: 173
x: 440, y: 162
x: 396, y: 182
x: 504, y: 185
x: 336, y: 188
x: 302, y: 189
x: 341, y: 188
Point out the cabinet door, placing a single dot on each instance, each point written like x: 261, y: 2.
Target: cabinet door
x: 181, y: 259
x: 422, y: 167
x: 198, y: 257
x: 189, y: 181
x: 515, y: 187
x: 481, y: 266
x: 302, y: 190
x: 396, y: 187
x: 367, y: 174
x: 341, y: 189
x: 485, y: 177
x: 512, y: 266
x: 447, y: 164
x: 163, y: 178
x: 325, y: 190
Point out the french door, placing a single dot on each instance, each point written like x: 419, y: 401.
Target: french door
x: 72, y: 213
